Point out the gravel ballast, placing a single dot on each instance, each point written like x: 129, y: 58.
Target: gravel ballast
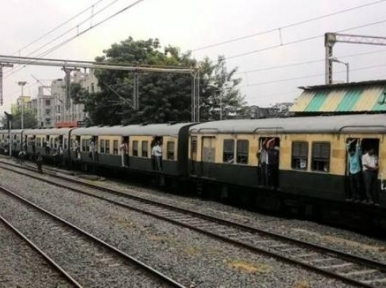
x: 188, y: 257
x: 22, y: 266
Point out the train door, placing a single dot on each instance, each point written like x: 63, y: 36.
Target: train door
x: 268, y: 173
x: 370, y: 165
x: 193, y: 155
x: 208, y: 154
x: 125, y: 151
x: 156, y: 153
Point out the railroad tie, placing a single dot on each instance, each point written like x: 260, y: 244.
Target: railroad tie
x: 359, y: 272
x: 381, y: 280
x: 336, y: 266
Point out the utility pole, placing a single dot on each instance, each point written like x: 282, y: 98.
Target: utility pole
x: 68, y: 71
x: 1, y: 80
x: 22, y: 84
x: 331, y: 38
x: 9, y: 121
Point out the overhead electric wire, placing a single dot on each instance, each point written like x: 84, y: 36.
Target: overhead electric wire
x: 301, y: 40
x: 82, y: 32
x: 309, y: 76
x: 73, y: 28
x: 287, y: 26
x: 306, y: 62
x: 59, y: 26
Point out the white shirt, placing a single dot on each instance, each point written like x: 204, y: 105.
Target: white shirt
x: 369, y: 160
x: 156, y: 151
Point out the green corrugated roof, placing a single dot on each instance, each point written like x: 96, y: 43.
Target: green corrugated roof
x: 316, y: 101
x: 350, y: 99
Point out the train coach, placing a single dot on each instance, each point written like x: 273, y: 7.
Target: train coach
x: 102, y: 147
x: 310, y: 177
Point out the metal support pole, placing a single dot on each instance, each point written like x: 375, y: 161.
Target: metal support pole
x: 329, y: 41
x: 220, y: 105
x: 10, y: 139
x: 1, y: 81
x: 198, y: 98
x: 348, y: 72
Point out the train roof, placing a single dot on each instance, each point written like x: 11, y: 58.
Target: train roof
x: 145, y: 130
x: 51, y: 131
x: 364, y: 123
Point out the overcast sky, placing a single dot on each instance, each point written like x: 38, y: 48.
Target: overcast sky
x: 193, y: 24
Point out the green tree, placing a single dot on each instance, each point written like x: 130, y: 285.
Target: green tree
x: 29, y: 120
x: 163, y: 97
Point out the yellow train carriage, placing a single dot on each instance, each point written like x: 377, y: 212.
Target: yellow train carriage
x: 312, y: 160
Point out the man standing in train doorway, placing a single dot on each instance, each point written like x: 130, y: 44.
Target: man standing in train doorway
x: 157, y: 154
x: 273, y: 164
x: 370, y: 172
x: 354, y: 165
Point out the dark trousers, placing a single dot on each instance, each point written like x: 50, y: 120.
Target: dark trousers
x: 273, y: 175
x: 370, y: 179
x: 263, y: 174
x: 355, y: 186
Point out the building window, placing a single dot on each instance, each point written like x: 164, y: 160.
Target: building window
x: 242, y: 151
x: 48, y: 111
x: 145, y: 148
x: 58, y: 108
x: 299, y: 155
x: 229, y: 151
x: 115, y: 147
x: 135, y: 148
x: 107, y: 150
x: 102, y: 145
x: 321, y: 156
x: 92, y: 87
x: 48, y: 102
x: 170, y: 150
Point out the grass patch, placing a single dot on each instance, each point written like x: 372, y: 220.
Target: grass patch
x: 248, y: 267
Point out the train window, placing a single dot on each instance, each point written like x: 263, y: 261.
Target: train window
x: 242, y: 151
x: 115, y: 147
x: 135, y: 148
x: 170, y: 150
x: 107, y: 149
x: 321, y: 156
x: 299, y: 155
x: 145, y: 148
x: 39, y: 142
x: 229, y: 151
x: 102, y: 145
x: 194, y: 144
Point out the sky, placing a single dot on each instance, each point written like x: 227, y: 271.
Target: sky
x: 272, y: 65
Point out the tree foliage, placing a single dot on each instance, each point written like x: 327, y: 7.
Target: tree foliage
x: 163, y: 97
x: 29, y: 120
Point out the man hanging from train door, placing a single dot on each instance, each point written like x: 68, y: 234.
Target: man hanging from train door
x: 123, y: 149
x: 273, y: 163
x: 370, y: 173
x: 354, y: 169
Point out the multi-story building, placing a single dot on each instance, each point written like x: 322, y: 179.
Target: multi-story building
x: 50, y: 105
x: 45, y: 106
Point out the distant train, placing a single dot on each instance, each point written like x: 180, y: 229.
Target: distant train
x: 222, y: 160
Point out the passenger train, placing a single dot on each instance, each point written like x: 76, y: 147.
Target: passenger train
x: 220, y: 160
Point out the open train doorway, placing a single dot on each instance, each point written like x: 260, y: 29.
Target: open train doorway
x: 362, y: 170
x: 268, y: 162
x: 156, y: 153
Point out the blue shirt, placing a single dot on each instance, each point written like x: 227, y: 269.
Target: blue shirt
x: 354, y: 159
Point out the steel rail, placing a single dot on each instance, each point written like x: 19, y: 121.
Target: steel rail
x: 137, y: 262
x: 324, y: 250
x: 41, y: 252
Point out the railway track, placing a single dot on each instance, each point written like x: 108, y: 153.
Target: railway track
x: 25, y: 246
x: 353, y: 270
x: 84, y: 259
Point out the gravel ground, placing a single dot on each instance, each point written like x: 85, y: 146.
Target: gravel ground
x: 22, y: 266
x: 186, y: 256
x: 89, y: 263
x: 340, y: 239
